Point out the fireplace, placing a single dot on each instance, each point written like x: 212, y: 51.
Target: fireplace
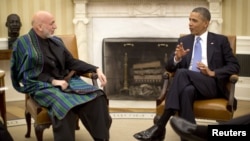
x: 134, y: 66
x: 95, y: 20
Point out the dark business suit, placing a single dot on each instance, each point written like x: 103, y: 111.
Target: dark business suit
x: 241, y: 120
x: 189, y: 85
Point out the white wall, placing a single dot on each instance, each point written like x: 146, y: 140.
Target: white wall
x: 11, y: 94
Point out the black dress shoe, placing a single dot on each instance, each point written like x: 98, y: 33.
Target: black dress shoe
x: 101, y: 139
x: 153, y: 133
x: 185, y: 129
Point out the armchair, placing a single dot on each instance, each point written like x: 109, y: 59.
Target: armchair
x: 218, y: 109
x: 40, y: 114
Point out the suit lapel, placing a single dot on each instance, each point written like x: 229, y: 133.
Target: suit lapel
x: 210, y: 47
x: 190, y: 45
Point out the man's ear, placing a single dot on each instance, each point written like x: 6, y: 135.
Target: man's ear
x: 39, y: 27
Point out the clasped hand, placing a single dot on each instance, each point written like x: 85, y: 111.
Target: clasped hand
x: 62, y: 83
x: 101, y: 77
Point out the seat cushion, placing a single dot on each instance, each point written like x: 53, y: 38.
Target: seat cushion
x: 211, y: 109
x: 214, y: 109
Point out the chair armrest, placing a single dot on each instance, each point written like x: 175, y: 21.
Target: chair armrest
x: 91, y: 75
x: 231, y: 105
x: 166, y: 77
x: 234, y: 78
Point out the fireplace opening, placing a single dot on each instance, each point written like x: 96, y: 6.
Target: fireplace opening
x: 134, y: 66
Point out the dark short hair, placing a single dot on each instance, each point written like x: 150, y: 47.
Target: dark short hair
x: 204, y: 12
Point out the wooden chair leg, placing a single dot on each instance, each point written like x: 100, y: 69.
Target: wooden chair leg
x: 110, y: 121
x: 39, y: 131
x: 77, y: 124
x: 28, y: 123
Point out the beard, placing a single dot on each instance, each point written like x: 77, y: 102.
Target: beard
x: 48, y: 34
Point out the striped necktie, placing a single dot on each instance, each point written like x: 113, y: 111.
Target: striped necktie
x: 197, y: 54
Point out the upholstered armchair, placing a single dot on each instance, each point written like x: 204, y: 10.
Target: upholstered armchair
x: 39, y: 113
x: 218, y: 109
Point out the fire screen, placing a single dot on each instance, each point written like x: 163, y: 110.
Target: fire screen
x: 134, y: 66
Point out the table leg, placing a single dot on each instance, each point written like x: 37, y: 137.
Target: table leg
x: 3, y: 107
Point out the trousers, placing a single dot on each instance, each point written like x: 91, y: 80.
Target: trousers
x: 94, y: 115
x: 187, y: 86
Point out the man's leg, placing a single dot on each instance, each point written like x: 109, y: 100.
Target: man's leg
x: 187, y: 98
x: 173, y: 99
x: 95, y: 117
x: 64, y: 129
x: 187, y: 130
x: 205, y: 86
x: 241, y: 120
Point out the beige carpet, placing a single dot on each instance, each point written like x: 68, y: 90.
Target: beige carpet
x: 126, y: 122
x: 121, y: 130
x: 124, y: 125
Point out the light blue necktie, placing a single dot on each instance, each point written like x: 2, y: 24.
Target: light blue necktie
x: 197, y: 54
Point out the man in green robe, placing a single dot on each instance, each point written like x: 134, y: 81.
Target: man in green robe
x: 39, y: 63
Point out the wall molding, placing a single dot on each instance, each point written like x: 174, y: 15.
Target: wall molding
x: 243, y: 85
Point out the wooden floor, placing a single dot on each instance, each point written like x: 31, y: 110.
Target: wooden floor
x: 15, y: 110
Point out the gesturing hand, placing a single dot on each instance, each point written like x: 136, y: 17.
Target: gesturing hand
x: 180, y: 52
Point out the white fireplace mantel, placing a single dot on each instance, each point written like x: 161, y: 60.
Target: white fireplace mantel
x: 95, y: 20
x: 86, y: 11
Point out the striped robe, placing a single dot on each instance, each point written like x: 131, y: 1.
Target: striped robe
x: 26, y: 65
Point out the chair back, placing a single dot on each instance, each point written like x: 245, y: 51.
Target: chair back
x: 70, y: 43
x: 230, y: 86
x: 232, y: 41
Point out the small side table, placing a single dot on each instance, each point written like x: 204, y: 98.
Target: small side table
x: 5, y: 54
x: 2, y: 98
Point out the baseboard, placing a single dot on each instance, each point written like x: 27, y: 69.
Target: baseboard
x: 132, y: 115
x: 17, y: 122
x: 150, y: 116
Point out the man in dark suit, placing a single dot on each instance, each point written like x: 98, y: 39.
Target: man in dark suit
x: 198, y: 75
